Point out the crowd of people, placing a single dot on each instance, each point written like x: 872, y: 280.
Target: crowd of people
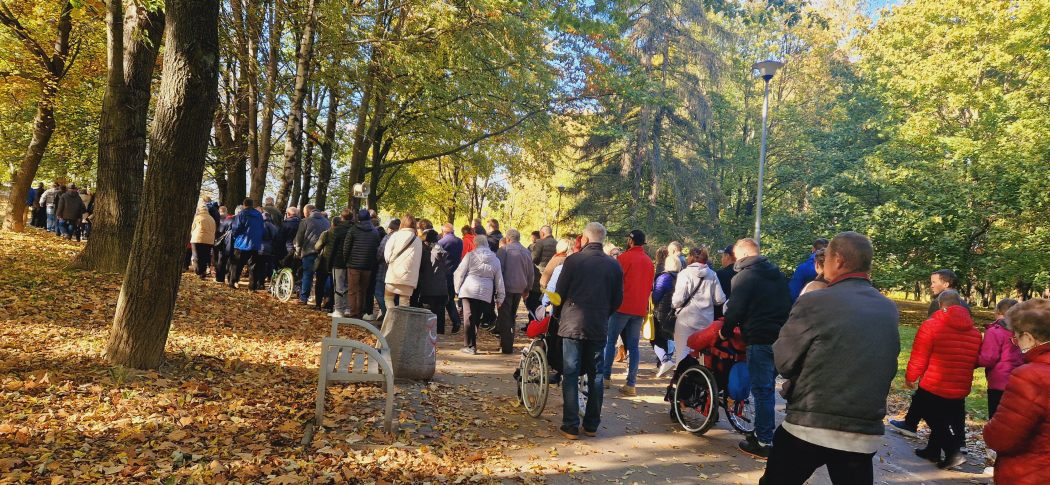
x: 62, y: 209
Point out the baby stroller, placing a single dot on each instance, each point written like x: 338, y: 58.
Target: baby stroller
x: 714, y: 375
x: 542, y: 355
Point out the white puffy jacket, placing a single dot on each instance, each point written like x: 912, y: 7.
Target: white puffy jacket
x: 699, y: 311
x: 480, y: 276
x: 402, y: 271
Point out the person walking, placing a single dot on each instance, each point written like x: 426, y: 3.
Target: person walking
x: 403, y: 253
x: 544, y: 249
x: 267, y: 259
x: 314, y: 224
x: 806, y: 270
x: 819, y: 282
x: 725, y: 276
x: 479, y: 284
x: 1020, y: 430
x: 638, y: 277
x: 664, y: 312
x: 454, y: 247
x: 493, y: 234
x: 49, y: 201
x: 246, y: 232
x: 697, y: 293
x: 381, y: 266
x: 432, y: 292
x: 760, y: 306
x: 275, y: 214
x: 560, y: 253
x: 940, y: 281
x: 999, y: 355
x: 944, y: 355
x: 468, y: 239
x: 839, y: 348
x: 222, y: 250
x: 288, y: 230
x: 591, y: 287
x: 358, y: 255
x: 70, y: 209
x: 38, y: 217
x: 518, y: 273
x: 202, y: 237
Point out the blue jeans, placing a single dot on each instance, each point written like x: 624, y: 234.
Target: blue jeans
x: 309, y: 262
x: 380, y: 292
x: 581, y: 356
x: 618, y: 323
x: 52, y: 223
x: 763, y: 380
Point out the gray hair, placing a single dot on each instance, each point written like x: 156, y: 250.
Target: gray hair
x: 564, y: 245
x: 672, y: 264
x: 513, y: 235
x: 595, y: 232
x: 949, y: 298
x: 292, y: 211
x: 546, y: 230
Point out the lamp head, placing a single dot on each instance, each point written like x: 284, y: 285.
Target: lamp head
x: 767, y: 69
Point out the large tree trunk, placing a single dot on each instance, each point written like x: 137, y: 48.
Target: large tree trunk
x: 178, y: 145
x: 134, y: 42
x: 293, y: 145
x: 262, y: 163
x: 44, y: 122
x: 324, y: 169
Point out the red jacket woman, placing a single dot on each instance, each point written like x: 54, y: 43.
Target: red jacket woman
x: 944, y: 353
x: 1020, y: 429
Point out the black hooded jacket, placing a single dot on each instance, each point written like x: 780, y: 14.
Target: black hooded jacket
x: 359, y: 246
x: 760, y: 301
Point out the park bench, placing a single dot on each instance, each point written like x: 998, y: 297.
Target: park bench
x: 346, y: 360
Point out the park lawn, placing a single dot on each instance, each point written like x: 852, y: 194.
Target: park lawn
x: 912, y: 315
x: 229, y: 403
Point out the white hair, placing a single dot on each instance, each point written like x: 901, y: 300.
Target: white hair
x: 513, y: 235
x: 292, y: 211
x: 595, y: 232
x: 564, y: 245
x: 672, y: 264
x: 546, y: 230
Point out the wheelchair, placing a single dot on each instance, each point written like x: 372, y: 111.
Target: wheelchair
x: 698, y: 389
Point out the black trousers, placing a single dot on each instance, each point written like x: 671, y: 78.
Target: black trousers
x: 792, y: 461
x: 994, y: 396
x: 222, y: 264
x: 38, y: 217
x: 473, y: 312
x: 917, y: 412
x: 239, y: 261
x: 436, y: 305
x: 944, y: 416
x: 532, y: 302
x: 201, y: 258
x: 369, y: 298
x: 508, y: 311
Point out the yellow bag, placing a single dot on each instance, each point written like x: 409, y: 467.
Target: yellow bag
x: 647, y: 325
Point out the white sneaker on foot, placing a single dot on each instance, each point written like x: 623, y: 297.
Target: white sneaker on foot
x: 337, y: 314
x: 665, y: 367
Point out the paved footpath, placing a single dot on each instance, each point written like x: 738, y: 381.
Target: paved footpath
x: 637, y: 442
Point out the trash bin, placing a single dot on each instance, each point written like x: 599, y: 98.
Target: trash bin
x: 412, y: 335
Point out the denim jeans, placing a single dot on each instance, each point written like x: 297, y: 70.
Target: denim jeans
x: 619, y: 322
x: 309, y: 262
x: 52, y: 223
x: 582, y: 356
x: 342, y: 285
x: 763, y: 381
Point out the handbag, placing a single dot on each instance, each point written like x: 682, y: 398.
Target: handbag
x: 668, y: 324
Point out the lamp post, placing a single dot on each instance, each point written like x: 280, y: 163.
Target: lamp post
x: 766, y: 69
x: 557, y: 223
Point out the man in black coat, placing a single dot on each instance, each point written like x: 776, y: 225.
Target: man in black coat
x: 760, y: 305
x: 725, y: 276
x: 591, y: 289
x: 359, y: 253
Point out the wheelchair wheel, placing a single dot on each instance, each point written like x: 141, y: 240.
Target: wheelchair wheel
x: 283, y: 285
x: 695, y: 404
x: 741, y: 414
x: 534, y: 381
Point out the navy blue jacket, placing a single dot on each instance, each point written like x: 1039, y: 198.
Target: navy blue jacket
x: 247, y: 230
x: 806, y: 272
x: 454, y: 247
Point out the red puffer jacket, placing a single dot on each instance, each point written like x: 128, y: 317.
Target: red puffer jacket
x: 1020, y: 429
x: 945, y: 353
x: 638, y: 276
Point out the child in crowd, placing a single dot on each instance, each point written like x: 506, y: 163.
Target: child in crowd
x: 1020, y: 430
x: 999, y: 355
x: 944, y: 356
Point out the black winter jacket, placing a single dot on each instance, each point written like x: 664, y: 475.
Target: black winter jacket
x: 725, y: 280
x: 543, y: 251
x: 760, y: 301
x: 591, y: 289
x: 433, y: 271
x: 360, y: 247
x: 338, y: 241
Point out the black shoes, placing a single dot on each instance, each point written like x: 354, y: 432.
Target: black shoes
x: 953, y: 460
x: 755, y: 448
x: 928, y: 455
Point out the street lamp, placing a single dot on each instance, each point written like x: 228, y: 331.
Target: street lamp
x: 557, y: 223
x: 766, y: 69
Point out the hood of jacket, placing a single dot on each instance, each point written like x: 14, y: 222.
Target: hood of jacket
x: 760, y: 265
x: 365, y: 226
x: 956, y: 317
x: 202, y: 210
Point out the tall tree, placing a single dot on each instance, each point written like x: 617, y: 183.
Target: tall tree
x: 324, y: 165
x: 178, y: 144
x: 293, y: 145
x: 261, y: 162
x: 54, y: 66
x: 133, y: 42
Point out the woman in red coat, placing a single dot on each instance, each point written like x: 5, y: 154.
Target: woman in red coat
x: 1020, y: 430
x: 944, y: 356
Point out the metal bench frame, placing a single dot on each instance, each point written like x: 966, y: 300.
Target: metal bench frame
x: 344, y: 360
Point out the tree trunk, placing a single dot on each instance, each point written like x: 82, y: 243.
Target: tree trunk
x: 324, y: 169
x: 262, y: 163
x: 178, y: 146
x: 293, y: 145
x: 44, y: 122
x: 307, y: 172
x: 133, y: 47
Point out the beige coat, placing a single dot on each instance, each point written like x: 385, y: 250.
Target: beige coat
x: 402, y: 272
x: 203, y: 229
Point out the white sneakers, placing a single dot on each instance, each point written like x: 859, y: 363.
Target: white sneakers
x: 665, y: 367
